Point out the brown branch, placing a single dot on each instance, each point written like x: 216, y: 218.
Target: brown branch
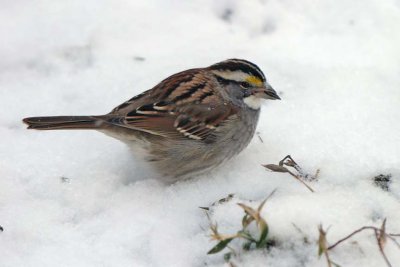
x: 350, y: 235
x: 301, y: 181
x: 390, y: 236
x: 259, y: 137
x: 380, y: 235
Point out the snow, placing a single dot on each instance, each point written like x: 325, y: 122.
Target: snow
x: 334, y: 64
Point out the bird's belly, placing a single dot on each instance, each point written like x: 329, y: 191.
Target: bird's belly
x: 185, y: 159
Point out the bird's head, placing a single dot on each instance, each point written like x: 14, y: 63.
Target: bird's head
x: 248, y: 77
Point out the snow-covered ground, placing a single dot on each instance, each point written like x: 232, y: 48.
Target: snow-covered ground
x: 76, y: 198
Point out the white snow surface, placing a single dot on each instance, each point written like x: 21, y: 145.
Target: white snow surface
x: 335, y: 64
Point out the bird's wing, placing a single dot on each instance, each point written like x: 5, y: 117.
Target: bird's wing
x: 184, y: 105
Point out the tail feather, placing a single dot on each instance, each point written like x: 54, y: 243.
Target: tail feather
x: 63, y: 122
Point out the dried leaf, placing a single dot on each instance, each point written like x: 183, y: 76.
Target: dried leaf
x: 250, y: 211
x: 265, y: 200
x: 382, y: 234
x: 322, y: 243
x: 276, y: 168
x: 216, y: 235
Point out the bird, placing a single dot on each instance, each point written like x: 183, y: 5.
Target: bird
x: 189, y: 123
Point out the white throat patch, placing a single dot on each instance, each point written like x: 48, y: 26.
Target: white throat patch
x: 252, y: 101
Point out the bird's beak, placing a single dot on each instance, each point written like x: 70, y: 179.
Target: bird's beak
x: 267, y: 92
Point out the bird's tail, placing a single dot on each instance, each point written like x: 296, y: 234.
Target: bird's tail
x: 63, y: 122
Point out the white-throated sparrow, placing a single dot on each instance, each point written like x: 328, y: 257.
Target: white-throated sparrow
x: 189, y: 123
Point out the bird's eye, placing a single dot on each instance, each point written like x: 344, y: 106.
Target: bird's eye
x: 245, y: 85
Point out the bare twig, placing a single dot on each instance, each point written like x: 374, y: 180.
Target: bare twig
x: 349, y: 236
x: 301, y: 181
x: 380, y: 235
x: 259, y: 137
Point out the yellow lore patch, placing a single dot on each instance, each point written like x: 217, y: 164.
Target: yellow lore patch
x: 254, y: 81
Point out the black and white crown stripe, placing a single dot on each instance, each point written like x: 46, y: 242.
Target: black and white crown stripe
x: 234, y: 65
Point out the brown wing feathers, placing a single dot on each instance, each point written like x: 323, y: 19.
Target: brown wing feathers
x: 187, y: 105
